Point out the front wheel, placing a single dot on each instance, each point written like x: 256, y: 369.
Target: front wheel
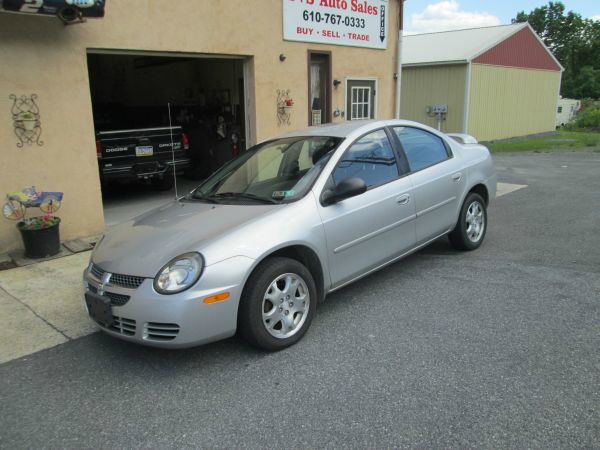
x: 278, y: 304
x: 472, y: 224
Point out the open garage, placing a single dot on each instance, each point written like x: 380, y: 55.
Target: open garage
x: 156, y: 114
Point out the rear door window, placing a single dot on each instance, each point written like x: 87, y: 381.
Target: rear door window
x: 422, y: 148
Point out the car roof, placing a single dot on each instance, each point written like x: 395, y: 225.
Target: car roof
x: 343, y: 129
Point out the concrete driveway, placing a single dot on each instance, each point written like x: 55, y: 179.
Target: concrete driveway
x: 496, y: 348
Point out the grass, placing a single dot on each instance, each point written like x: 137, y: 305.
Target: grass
x: 563, y: 140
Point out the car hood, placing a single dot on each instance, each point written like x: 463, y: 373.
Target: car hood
x: 143, y: 245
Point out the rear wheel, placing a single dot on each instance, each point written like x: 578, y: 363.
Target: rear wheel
x: 472, y: 224
x: 278, y: 304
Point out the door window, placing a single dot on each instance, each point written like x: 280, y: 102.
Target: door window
x: 370, y: 158
x: 422, y: 148
x: 360, y: 99
x: 319, y: 88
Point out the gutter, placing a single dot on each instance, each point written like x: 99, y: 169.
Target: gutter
x: 437, y: 63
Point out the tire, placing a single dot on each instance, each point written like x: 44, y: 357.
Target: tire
x: 470, y: 231
x: 270, y: 317
x: 164, y: 184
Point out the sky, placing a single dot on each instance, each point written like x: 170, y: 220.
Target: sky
x: 425, y: 16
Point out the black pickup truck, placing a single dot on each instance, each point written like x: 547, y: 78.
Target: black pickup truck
x: 142, y: 154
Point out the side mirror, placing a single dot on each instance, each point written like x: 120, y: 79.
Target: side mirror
x: 348, y: 187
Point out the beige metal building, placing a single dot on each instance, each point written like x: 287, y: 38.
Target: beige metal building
x: 238, y: 58
x: 493, y: 83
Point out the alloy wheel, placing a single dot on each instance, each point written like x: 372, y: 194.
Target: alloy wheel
x: 285, y: 305
x: 475, y: 221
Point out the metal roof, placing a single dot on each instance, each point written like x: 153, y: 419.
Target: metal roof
x: 453, y: 47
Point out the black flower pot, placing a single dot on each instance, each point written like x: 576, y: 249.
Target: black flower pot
x: 40, y: 243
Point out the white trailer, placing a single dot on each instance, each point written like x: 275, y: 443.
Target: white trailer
x: 567, y: 109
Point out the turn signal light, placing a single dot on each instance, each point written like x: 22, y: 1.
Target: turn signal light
x: 216, y: 298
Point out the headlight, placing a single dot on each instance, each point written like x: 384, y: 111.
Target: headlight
x: 179, y: 274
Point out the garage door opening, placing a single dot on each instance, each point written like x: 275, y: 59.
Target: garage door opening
x: 137, y: 149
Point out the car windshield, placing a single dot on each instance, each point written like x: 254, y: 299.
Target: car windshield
x: 282, y: 170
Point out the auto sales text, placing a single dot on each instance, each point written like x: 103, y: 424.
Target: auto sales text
x: 358, y: 6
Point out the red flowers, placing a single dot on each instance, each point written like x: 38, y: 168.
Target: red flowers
x: 40, y: 222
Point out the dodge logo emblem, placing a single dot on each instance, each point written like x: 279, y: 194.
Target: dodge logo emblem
x: 105, y: 280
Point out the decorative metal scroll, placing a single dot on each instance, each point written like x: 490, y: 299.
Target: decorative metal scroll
x: 26, y: 120
x: 283, y: 110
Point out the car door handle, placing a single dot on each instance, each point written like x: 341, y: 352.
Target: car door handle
x: 403, y: 199
x: 457, y: 177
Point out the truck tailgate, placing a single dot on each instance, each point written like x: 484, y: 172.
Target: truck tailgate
x: 139, y: 143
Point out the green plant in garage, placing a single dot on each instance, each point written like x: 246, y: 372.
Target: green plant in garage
x: 40, y: 234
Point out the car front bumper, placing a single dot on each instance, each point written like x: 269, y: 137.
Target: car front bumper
x: 179, y: 320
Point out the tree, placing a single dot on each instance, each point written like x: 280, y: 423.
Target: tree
x: 574, y: 41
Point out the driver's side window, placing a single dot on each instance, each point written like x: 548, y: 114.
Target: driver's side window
x: 370, y: 158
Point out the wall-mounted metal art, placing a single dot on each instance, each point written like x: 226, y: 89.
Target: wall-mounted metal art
x: 284, y: 106
x: 26, y: 119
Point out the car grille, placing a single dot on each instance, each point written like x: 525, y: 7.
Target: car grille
x: 123, y: 326
x: 115, y: 299
x: 117, y: 279
x: 161, y: 331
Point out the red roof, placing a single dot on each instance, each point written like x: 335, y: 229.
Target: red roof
x: 522, y: 49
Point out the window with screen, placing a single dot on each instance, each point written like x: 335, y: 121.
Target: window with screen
x: 422, y: 148
x: 361, y: 103
x: 370, y: 158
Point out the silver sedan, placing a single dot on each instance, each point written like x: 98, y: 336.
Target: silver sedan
x: 260, y: 243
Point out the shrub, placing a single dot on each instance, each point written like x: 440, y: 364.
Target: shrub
x: 589, y: 119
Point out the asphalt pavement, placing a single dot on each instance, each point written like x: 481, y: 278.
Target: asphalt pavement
x: 496, y: 348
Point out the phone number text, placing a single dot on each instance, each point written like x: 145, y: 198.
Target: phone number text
x: 334, y: 19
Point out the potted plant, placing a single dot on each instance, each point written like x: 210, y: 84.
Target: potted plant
x: 27, y: 120
x: 288, y: 103
x: 40, y: 234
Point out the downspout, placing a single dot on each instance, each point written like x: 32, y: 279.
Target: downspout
x: 399, y: 59
x: 467, y: 98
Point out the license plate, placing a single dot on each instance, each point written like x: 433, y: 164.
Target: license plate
x: 144, y: 150
x: 99, y: 309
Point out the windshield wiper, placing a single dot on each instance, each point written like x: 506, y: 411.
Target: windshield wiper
x: 200, y: 197
x: 244, y: 195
